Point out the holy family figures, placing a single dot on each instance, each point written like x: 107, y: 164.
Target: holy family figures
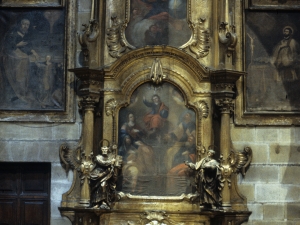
x: 208, y: 181
x: 103, y: 178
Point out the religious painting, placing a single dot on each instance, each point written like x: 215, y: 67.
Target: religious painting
x: 30, y: 3
x: 156, y: 137
x: 272, y: 62
x: 32, y: 59
x: 274, y: 4
x: 158, y: 22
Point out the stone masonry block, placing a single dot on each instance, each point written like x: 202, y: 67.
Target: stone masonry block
x: 5, y: 154
x: 287, y: 135
x: 242, y: 134
x: 67, y: 132
x: 248, y: 191
x: 59, y: 174
x: 274, y: 212
x: 54, y: 209
x: 256, y: 210
x: 57, y: 189
x: 264, y: 134
x: 297, y: 134
x: 273, y: 193
x: 290, y: 175
x: 49, y: 151
x: 29, y: 132
x: 284, y: 153
x: 60, y: 221
x: 262, y: 174
x: 293, y: 211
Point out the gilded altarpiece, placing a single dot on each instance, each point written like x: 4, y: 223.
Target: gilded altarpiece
x: 149, y: 110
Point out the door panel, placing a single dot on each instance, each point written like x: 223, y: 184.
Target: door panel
x: 25, y: 193
x: 8, y: 212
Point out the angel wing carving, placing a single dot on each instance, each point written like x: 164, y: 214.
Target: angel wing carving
x: 240, y: 161
x: 71, y: 158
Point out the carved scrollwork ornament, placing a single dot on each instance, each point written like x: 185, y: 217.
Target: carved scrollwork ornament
x: 110, y: 107
x: 203, y: 107
x: 71, y: 158
x: 156, y: 74
x: 155, y: 218
x: 116, y: 41
x: 89, y: 34
x: 228, y: 37
x: 200, y: 40
x: 226, y: 171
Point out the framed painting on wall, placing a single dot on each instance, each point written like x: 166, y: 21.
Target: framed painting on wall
x: 158, y: 22
x: 31, y: 3
x: 33, y: 64
x: 272, y: 59
x: 273, y: 4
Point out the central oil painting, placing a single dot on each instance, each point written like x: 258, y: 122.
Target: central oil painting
x: 158, y: 22
x: 156, y: 137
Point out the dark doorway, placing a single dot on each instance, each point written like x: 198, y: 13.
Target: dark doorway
x: 25, y: 193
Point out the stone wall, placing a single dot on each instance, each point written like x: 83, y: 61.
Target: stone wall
x: 272, y: 184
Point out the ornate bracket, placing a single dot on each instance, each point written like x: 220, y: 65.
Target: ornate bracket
x: 228, y: 37
x: 70, y: 158
x: 76, y: 160
x: 110, y: 109
x: 116, y: 42
x: 199, y: 43
x: 156, y: 74
x: 239, y: 162
x: 89, y: 34
x: 154, y: 218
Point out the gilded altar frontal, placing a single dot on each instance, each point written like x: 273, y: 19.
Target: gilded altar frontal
x: 151, y: 112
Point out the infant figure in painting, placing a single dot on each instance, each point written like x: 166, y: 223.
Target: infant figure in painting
x: 208, y: 181
x: 103, y: 178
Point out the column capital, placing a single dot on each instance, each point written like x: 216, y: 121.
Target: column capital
x: 90, y: 86
x: 226, y: 105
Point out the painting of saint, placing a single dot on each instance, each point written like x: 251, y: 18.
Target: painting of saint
x: 158, y: 22
x: 274, y: 3
x: 31, y: 56
x: 157, y: 133
x: 272, y: 62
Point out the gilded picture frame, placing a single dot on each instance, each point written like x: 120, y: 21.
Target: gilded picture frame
x: 270, y: 93
x: 36, y: 85
x: 273, y: 4
x: 32, y: 3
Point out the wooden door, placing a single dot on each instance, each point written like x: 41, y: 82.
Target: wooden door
x: 24, y: 193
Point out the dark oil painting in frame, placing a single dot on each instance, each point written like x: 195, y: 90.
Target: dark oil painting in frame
x: 32, y: 59
x: 31, y: 3
x: 156, y: 136
x: 272, y: 61
x: 274, y: 4
x: 158, y: 22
